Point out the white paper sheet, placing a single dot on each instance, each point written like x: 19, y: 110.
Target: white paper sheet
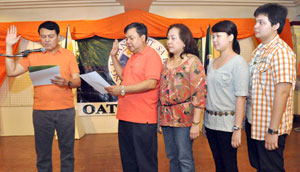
x: 96, y: 81
x: 42, y: 77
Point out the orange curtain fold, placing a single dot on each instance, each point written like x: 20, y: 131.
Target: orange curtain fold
x: 2, y: 70
x: 2, y: 63
x: 112, y: 28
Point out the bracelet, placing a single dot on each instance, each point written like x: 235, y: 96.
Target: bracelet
x: 196, y: 123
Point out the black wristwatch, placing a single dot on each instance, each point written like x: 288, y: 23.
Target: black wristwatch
x: 69, y: 84
x: 272, y: 132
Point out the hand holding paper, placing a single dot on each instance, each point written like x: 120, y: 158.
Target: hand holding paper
x: 96, y: 81
x: 114, y: 90
x: 60, y: 81
x: 42, y: 75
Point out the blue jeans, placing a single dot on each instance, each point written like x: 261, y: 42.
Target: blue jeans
x: 179, y: 148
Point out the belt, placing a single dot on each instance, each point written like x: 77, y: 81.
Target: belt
x: 187, y: 100
x: 220, y: 113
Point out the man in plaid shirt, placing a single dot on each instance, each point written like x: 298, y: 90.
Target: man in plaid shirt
x: 272, y: 82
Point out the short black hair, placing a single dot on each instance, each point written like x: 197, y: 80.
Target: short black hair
x: 141, y: 29
x: 276, y: 14
x: 50, y: 25
x: 230, y: 28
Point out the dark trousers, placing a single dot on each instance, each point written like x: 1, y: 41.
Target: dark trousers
x: 224, y: 154
x: 45, y: 122
x: 262, y: 159
x: 138, y: 147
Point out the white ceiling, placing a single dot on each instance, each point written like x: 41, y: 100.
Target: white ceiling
x: 134, y: 4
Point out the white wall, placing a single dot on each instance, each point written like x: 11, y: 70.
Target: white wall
x: 297, y: 13
x: 72, y: 13
x: 98, y: 12
x: 214, y: 11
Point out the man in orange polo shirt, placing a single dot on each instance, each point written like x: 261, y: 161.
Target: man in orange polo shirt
x: 137, y: 101
x: 53, y: 107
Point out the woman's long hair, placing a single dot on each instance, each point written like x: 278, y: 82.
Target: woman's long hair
x: 187, y: 38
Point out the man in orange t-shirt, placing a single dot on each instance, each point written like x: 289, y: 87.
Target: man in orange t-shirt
x: 53, y: 107
x: 137, y: 101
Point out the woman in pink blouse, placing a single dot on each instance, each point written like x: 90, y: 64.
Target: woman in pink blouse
x: 182, y: 98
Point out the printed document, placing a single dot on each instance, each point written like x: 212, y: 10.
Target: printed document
x: 96, y: 81
x: 42, y: 75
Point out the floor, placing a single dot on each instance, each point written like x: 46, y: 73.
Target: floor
x: 99, y: 153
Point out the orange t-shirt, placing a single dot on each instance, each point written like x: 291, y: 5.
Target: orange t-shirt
x: 53, y: 97
x: 140, y: 107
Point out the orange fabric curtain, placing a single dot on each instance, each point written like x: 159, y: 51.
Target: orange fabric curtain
x: 112, y: 28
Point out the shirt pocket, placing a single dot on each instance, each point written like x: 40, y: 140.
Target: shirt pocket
x: 226, y: 78
x: 263, y: 72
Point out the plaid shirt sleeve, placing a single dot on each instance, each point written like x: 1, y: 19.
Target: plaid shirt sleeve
x: 283, y: 66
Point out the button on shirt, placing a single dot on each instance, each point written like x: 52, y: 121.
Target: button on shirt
x: 271, y: 64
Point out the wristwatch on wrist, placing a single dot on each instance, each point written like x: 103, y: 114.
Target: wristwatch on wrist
x: 236, y: 128
x: 122, y: 90
x: 69, y: 84
x: 272, y: 132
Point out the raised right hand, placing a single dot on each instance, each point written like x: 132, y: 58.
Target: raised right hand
x: 11, y: 37
x: 115, y: 48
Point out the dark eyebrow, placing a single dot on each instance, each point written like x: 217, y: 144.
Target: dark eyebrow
x: 130, y: 36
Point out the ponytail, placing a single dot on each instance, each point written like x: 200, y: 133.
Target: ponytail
x: 236, y: 46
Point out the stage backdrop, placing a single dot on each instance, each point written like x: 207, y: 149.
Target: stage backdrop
x: 94, y: 39
x: 112, y: 28
x: 94, y: 55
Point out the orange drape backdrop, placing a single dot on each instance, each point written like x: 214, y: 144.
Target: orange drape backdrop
x: 112, y: 28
